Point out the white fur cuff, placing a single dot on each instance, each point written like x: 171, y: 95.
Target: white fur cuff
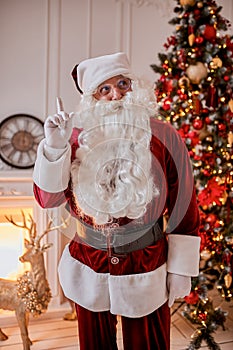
x: 183, y: 254
x: 52, y: 176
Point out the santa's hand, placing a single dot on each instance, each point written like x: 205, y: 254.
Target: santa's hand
x: 58, y: 128
x: 178, y: 287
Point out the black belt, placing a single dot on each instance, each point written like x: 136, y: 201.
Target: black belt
x: 120, y: 241
x: 149, y: 238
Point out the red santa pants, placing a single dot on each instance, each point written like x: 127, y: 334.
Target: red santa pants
x: 97, y: 330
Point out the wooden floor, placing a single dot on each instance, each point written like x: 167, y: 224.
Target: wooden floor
x: 55, y: 333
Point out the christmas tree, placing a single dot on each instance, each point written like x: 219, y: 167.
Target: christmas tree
x: 195, y: 94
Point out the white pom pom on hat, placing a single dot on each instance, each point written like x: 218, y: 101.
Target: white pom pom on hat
x: 90, y: 73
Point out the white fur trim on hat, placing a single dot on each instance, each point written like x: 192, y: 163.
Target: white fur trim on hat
x: 94, y: 71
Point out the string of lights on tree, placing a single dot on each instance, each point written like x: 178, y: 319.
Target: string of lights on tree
x: 195, y: 93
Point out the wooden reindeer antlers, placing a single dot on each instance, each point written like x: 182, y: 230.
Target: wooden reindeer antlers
x: 52, y: 228
x: 32, y: 230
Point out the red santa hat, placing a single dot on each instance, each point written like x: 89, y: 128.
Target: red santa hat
x: 90, y: 73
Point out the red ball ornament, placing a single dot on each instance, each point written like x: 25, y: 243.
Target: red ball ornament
x: 198, y: 124
x: 162, y: 78
x: 167, y: 104
x: 209, y: 32
x: 202, y: 316
x: 191, y: 154
x: 183, y: 96
x: 192, y: 134
x: 196, y: 157
x: 221, y: 127
x: 182, y: 65
x: 211, y: 218
x: 186, y: 128
x: 168, y: 85
x: 206, y: 172
x: 226, y: 78
x: 208, y: 121
x: 197, y: 12
x: 227, y: 256
x: 199, y: 40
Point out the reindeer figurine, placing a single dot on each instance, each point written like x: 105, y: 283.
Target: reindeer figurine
x: 31, y: 292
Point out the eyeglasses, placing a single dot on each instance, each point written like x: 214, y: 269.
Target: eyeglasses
x: 122, y: 84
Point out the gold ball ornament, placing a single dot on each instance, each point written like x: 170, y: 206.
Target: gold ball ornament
x: 196, y: 72
x: 187, y: 2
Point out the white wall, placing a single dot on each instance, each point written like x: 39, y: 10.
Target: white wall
x: 41, y: 41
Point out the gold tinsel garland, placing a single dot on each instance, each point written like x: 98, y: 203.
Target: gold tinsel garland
x: 27, y: 292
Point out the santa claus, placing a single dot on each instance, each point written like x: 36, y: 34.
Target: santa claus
x: 122, y: 173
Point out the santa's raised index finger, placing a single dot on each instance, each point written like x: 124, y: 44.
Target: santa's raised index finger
x: 59, y: 103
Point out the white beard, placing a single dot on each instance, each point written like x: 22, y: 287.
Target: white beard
x: 111, y: 175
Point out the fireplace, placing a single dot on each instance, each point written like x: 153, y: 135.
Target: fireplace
x: 16, y: 195
x: 12, y: 242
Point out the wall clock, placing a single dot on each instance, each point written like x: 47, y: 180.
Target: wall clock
x: 20, y: 135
